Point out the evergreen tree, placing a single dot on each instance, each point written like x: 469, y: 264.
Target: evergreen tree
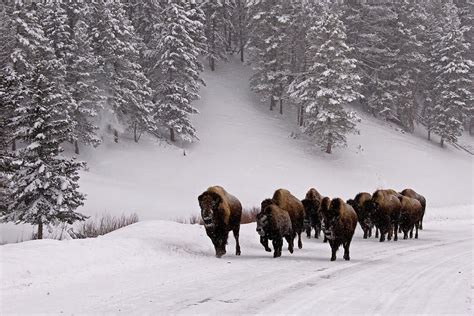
x: 453, y: 82
x: 217, y: 19
x: 82, y: 73
x: 180, y: 69
x: 44, y: 185
x: 329, y: 84
x: 118, y: 47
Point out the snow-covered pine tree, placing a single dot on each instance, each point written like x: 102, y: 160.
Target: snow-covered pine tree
x: 240, y: 25
x: 453, y: 77
x: 44, y: 185
x: 82, y: 73
x: 329, y: 84
x: 371, y: 27
x: 269, y: 50
x: 217, y: 24
x: 127, y: 89
x: 411, y: 60
x: 180, y: 70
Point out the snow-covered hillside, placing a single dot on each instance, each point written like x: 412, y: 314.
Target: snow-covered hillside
x: 162, y: 267
x: 251, y: 152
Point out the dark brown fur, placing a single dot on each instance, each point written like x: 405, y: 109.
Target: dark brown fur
x: 274, y: 223
x: 311, y: 203
x: 384, y: 208
x: 414, y: 195
x: 341, y: 221
x: 221, y: 213
x: 325, y: 202
x: 410, y: 215
x: 359, y: 205
x: 286, y: 201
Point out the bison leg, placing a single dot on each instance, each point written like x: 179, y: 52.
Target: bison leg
x: 277, y: 245
x: 396, y: 229
x: 382, y: 236
x: 416, y: 227
x: 376, y: 232
x: 290, y: 242
x: 317, y: 231
x: 346, y: 246
x: 405, y: 234
x: 308, y: 231
x: 334, y: 247
x: 365, y: 232
x: 237, y: 244
x: 300, y: 243
x: 370, y: 232
x: 264, y: 242
x: 411, y: 232
x: 219, y: 245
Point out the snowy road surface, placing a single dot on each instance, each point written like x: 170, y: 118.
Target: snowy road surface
x: 169, y: 268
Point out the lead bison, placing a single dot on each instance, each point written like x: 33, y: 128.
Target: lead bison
x: 221, y: 213
x: 286, y: 201
x: 359, y: 204
x: 414, y: 195
x: 340, y: 223
x: 410, y: 215
x: 274, y: 223
x: 384, y: 208
x: 312, y: 203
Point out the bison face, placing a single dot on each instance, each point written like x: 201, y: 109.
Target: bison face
x: 263, y: 221
x: 209, y: 203
x: 329, y: 226
x: 310, y: 211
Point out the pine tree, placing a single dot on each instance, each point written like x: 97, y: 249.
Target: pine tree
x: 124, y: 82
x: 453, y: 82
x: 217, y: 19
x: 329, y: 84
x: 82, y: 73
x: 269, y: 50
x: 180, y: 69
x: 44, y: 185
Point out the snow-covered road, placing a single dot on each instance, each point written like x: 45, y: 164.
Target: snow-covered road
x: 169, y: 268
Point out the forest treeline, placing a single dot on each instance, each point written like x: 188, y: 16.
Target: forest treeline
x: 70, y: 69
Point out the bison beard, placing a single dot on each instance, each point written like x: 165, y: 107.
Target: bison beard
x: 221, y: 213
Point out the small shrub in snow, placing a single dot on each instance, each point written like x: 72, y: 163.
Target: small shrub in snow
x: 103, y: 225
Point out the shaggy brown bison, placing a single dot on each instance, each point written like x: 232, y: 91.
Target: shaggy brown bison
x: 274, y: 223
x: 384, y: 209
x: 312, y: 219
x: 340, y: 221
x: 221, y: 213
x: 286, y: 201
x: 414, y: 195
x: 411, y: 211
x: 359, y: 204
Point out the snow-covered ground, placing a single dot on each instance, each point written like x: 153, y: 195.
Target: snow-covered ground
x: 162, y: 267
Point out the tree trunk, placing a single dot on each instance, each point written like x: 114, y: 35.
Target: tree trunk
x: 76, y: 147
x: 272, y: 103
x: 136, y: 137
x: 301, y: 116
x: 116, y: 138
x: 281, y: 106
x: 441, y: 142
x: 328, y: 148
x: 172, y: 136
x: 471, y: 125
x: 212, y: 63
x: 429, y: 135
x: 13, y: 144
x: 241, y: 33
x: 40, y: 230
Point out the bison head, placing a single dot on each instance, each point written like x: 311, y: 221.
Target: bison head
x: 310, y: 210
x: 209, y: 203
x: 263, y: 221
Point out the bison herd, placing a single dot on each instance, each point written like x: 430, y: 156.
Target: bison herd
x: 285, y: 217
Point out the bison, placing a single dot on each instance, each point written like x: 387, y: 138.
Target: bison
x: 325, y: 202
x: 286, y: 201
x: 340, y: 221
x: 274, y: 223
x: 311, y: 203
x: 221, y: 213
x: 359, y: 204
x: 414, y: 195
x: 411, y: 212
x: 384, y: 209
